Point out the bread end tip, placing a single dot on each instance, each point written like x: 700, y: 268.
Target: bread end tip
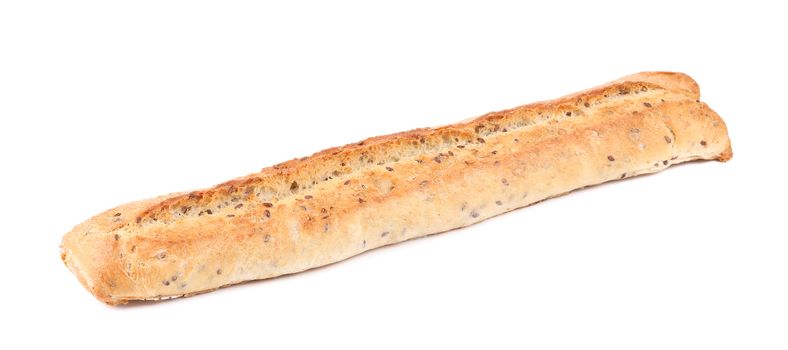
x: 726, y: 155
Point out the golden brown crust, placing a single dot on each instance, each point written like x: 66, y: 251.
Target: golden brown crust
x: 339, y: 202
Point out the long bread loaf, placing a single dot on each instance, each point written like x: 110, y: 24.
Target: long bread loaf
x: 337, y: 203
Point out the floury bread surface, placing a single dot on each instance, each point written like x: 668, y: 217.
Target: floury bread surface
x: 337, y: 203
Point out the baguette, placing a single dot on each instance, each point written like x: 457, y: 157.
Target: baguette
x: 340, y: 202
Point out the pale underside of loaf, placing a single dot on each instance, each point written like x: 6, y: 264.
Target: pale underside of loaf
x: 342, y: 201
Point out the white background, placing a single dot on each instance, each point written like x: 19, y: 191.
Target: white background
x: 106, y: 102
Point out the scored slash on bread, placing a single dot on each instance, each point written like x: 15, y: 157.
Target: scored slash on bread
x: 337, y: 203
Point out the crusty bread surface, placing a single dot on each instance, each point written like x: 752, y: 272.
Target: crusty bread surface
x: 342, y: 201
